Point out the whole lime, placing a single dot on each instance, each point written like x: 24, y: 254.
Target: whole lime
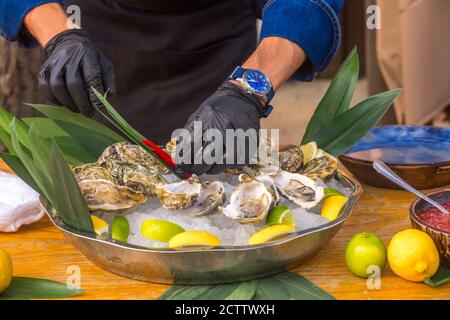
x: 363, y: 251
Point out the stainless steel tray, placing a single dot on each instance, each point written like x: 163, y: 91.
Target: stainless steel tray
x: 208, y: 266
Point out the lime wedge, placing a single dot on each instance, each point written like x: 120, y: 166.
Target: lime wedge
x: 194, y: 239
x: 270, y: 233
x: 332, y: 192
x: 309, y: 152
x: 160, y: 230
x: 280, y: 214
x: 120, y: 229
x: 332, y: 207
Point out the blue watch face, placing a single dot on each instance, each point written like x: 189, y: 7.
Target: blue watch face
x: 257, y: 81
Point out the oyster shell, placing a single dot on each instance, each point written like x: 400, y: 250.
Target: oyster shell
x: 103, y: 195
x: 211, y: 196
x: 321, y: 167
x: 250, y: 202
x: 132, y: 154
x: 134, y: 176
x: 299, y: 189
x: 93, y: 171
x: 179, y: 195
x: 291, y: 158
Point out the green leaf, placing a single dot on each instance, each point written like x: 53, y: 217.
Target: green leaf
x: 28, y: 163
x: 45, y: 127
x: 337, y: 98
x: 271, y: 288
x: 118, y: 119
x: 93, y: 143
x: 344, y: 131
x: 441, y: 277
x: 73, y: 152
x: 63, y: 114
x: 299, y: 288
x: 219, y: 292
x: 184, y: 292
x: 245, y: 291
x: 19, y: 169
x: 73, y: 211
x: 5, y: 137
x: 21, y: 127
x: 22, y: 288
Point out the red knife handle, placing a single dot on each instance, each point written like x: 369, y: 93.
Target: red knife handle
x: 164, y: 156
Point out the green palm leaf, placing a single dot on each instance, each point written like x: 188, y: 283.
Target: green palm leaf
x: 337, y: 98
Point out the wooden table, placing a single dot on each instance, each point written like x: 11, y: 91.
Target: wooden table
x: 40, y: 250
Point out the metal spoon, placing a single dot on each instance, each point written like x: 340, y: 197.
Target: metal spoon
x: 383, y: 169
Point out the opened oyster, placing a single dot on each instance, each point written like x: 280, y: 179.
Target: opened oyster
x: 291, y: 158
x: 179, y: 195
x: 103, y: 195
x: 134, y: 176
x: 321, y: 167
x: 299, y: 189
x: 250, y: 202
x: 93, y: 171
x: 211, y: 196
x: 132, y: 154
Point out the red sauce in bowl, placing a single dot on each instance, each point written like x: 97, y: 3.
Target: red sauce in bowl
x: 433, y: 217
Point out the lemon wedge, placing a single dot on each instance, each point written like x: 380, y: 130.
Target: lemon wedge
x: 271, y: 232
x: 309, y: 151
x: 194, y: 239
x: 100, y: 226
x: 332, y: 206
x: 160, y: 230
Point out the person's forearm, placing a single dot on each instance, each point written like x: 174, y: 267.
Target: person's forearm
x: 46, y: 21
x: 278, y: 58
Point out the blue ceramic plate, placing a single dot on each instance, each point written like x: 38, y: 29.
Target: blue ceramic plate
x: 404, y: 145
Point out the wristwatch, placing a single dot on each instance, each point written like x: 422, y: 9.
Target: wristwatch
x: 257, y: 83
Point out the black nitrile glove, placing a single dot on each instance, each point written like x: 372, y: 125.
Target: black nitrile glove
x: 230, y: 107
x: 72, y: 66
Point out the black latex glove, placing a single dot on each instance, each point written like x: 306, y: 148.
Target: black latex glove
x: 230, y: 107
x: 72, y: 66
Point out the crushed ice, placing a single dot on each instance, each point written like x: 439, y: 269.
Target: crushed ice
x: 230, y: 232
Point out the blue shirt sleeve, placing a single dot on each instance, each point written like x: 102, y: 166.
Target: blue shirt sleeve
x: 12, y: 13
x: 311, y: 24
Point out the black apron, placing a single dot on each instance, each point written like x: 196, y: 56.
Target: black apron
x: 168, y: 63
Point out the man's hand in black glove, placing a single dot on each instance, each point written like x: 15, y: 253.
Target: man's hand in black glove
x: 230, y: 107
x: 72, y: 66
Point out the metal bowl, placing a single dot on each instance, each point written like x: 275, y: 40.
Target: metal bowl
x: 211, y: 265
x: 440, y: 237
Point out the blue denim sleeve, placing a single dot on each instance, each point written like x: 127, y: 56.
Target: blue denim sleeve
x: 312, y: 24
x: 12, y: 13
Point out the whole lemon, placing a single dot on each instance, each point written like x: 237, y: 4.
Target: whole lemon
x: 363, y: 251
x: 5, y: 270
x: 412, y: 255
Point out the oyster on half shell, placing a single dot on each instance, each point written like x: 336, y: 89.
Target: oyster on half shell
x: 291, y: 158
x: 211, y: 196
x: 179, y: 195
x: 103, y: 195
x: 250, y: 202
x: 132, y: 154
x: 135, y: 176
x: 299, y: 189
x: 93, y: 171
x: 321, y: 167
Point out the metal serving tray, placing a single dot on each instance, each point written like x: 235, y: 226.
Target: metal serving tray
x: 210, y: 265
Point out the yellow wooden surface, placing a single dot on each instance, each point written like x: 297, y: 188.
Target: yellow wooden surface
x: 40, y: 250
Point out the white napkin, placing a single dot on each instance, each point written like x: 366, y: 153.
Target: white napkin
x: 19, y: 204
